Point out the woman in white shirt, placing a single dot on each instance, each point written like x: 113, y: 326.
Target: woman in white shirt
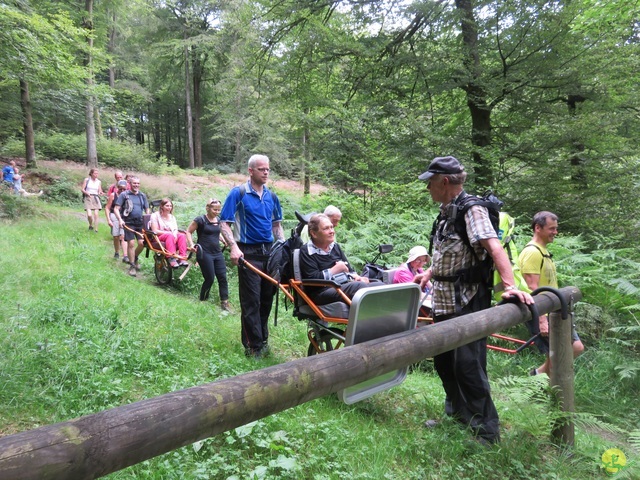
x: 165, y: 226
x: 91, y: 191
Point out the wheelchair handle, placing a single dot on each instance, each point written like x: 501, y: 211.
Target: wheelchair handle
x: 564, y: 307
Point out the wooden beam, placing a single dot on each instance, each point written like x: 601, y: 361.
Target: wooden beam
x: 561, y: 378
x: 101, y: 443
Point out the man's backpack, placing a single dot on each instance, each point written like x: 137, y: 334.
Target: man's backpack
x: 280, y: 264
x: 482, y: 272
x: 506, y: 236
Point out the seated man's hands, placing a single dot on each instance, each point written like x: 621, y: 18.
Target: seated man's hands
x: 340, y: 267
x: 358, y: 278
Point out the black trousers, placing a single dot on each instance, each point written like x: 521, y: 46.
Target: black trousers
x: 463, y: 372
x: 256, y: 297
x: 212, y: 265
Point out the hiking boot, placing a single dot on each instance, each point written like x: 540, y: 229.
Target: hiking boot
x: 90, y: 228
x: 116, y: 256
x: 137, y: 265
x: 226, y: 306
x: 125, y: 259
x: 252, y: 353
x: 533, y: 372
x: 132, y: 271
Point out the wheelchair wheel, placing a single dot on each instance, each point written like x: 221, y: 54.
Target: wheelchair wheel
x: 162, y: 269
x: 325, y: 340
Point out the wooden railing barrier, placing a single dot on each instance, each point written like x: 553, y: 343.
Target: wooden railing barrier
x: 104, y: 442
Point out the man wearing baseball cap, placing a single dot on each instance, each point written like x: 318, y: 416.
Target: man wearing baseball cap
x: 463, y: 371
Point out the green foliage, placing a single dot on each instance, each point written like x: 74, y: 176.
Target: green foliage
x: 112, y: 153
x: 39, y: 48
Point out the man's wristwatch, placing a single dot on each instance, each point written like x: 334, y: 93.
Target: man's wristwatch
x: 508, y: 289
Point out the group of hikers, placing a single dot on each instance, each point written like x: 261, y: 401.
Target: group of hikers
x: 125, y: 209
x: 249, y: 223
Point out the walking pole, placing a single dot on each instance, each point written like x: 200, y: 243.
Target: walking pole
x: 244, y: 263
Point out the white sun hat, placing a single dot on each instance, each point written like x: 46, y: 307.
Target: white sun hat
x: 418, y: 251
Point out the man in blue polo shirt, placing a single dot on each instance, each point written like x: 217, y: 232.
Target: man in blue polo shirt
x: 256, y: 216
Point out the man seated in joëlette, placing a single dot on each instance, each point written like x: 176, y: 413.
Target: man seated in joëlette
x: 322, y: 258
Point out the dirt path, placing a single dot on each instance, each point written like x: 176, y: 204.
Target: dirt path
x: 172, y: 185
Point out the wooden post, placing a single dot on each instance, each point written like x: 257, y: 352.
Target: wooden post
x: 561, y: 358
x: 102, y: 443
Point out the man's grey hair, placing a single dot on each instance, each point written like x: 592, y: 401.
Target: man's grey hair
x: 456, y: 178
x: 541, y: 218
x: 332, y: 210
x: 255, y: 159
x: 132, y: 178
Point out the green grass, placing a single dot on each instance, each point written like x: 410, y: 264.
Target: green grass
x: 81, y: 336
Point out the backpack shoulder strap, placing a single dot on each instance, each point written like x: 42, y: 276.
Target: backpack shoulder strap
x: 463, y: 204
x: 201, y: 221
x: 243, y: 190
x: 544, y: 255
x: 507, y: 248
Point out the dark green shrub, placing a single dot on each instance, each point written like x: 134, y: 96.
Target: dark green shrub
x: 14, y: 206
x: 64, y: 191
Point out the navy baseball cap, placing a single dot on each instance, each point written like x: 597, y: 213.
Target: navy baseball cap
x: 442, y: 165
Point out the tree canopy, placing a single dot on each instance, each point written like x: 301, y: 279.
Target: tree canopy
x: 537, y: 98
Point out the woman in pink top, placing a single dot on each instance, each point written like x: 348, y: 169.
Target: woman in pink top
x: 165, y: 226
x: 412, y: 271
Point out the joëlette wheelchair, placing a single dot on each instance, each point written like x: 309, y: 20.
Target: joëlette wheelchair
x: 162, y: 270
x: 323, y: 337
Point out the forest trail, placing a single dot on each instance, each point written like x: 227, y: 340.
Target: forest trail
x: 178, y: 185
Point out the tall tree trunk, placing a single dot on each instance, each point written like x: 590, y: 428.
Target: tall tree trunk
x: 111, y: 47
x: 197, y: 104
x: 140, y: 129
x: 27, y: 121
x: 238, y: 158
x: 157, y: 133
x: 307, y: 156
x: 479, y: 109
x: 98, y: 121
x: 576, y: 159
x: 187, y: 94
x: 167, y: 137
x: 92, y: 153
x: 179, y: 153
x: 238, y: 140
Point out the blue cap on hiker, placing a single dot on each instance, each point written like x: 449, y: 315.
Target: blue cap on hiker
x: 442, y: 165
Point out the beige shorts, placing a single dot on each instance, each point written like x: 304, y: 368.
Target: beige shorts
x: 92, y: 202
